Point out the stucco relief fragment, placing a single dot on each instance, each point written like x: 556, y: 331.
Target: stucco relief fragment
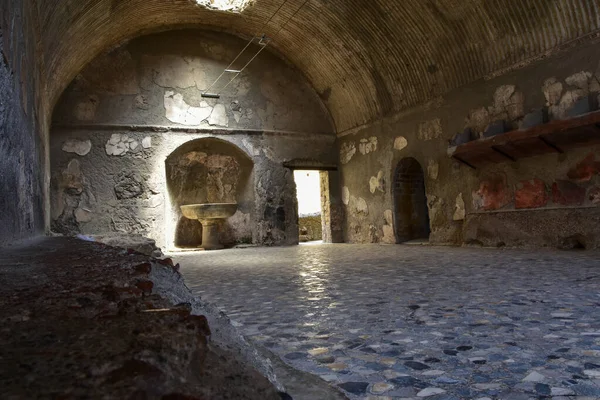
x: 367, y: 146
x: 377, y: 183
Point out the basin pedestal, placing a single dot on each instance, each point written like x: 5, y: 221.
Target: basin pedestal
x: 210, y: 215
x: 210, y: 233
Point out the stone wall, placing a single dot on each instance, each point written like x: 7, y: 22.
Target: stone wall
x: 22, y: 147
x: 560, y: 87
x: 125, y: 126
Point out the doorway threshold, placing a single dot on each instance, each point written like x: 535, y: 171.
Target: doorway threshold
x: 417, y: 242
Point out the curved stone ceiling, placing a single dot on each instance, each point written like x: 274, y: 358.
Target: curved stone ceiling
x: 367, y: 59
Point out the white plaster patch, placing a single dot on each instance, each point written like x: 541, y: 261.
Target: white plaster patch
x: 433, y: 169
x: 430, y: 129
x: 478, y: 119
x: 580, y: 79
x: 367, y: 146
x: 400, y: 143
x: 388, y: 228
x: 508, y: 103
x: 345, y: 195
x: 459, y: 209
x: 219, y: 116
x: 347, y: 151
x: 80, y: 147
x: 358, y: 206
x: 377, y: 183
x: 178, y: 111
x: 503, y: 94
x: 147, y: 142
x: 567, y: 102
x: 119, y: 145
x: 552, y: 89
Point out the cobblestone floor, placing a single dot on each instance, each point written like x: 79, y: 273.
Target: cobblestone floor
x: 417, y: 322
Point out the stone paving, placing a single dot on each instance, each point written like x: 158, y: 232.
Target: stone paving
x: 414, y: 322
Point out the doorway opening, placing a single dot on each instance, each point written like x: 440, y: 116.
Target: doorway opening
x: 310, y: 205
x: 410, y: 202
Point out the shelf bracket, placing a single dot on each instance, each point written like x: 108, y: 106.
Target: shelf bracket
x: 497, y: 150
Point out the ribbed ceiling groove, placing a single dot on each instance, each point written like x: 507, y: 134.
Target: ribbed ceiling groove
x: 366, y: 58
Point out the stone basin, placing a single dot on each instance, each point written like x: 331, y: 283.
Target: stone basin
x: 210, y: 216
x: 209, y: 210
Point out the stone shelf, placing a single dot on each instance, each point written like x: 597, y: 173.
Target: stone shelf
x: 553, y: 137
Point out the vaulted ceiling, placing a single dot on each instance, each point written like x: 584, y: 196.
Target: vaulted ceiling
x: 366, y: 58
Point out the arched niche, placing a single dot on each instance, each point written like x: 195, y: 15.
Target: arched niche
x: 410, y: 201
x: 209, y: 170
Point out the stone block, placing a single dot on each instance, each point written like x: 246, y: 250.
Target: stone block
x: 531, y: 194
x: 495, y: 128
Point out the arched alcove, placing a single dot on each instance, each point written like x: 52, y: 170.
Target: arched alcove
x: 410, y: 201
x: 208, y: 170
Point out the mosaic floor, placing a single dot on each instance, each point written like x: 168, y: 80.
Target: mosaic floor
x: 414, y: 322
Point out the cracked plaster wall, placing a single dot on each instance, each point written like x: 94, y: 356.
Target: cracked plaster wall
x: 158, y: 79
x: 154, y: 83
x: 500, y: 204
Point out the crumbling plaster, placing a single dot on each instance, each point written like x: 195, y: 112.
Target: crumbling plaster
x: 138, y: 123
x: 459, y: 198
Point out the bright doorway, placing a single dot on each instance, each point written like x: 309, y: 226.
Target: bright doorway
x: 310, y: 209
